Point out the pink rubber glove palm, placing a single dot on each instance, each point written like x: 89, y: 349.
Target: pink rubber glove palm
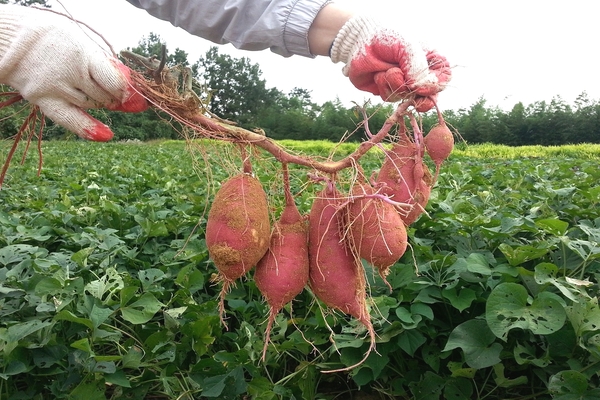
x: 54, y: 64
x: 381, y: 61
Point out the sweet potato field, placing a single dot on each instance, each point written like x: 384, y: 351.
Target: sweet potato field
x: 107, y: 290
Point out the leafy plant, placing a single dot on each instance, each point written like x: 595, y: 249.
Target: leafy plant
x: 106, y: 288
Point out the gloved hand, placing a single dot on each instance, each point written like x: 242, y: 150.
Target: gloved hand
x: 381, y: 61
x: 56, y: 65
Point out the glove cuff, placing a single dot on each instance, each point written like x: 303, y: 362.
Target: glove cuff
x: 353, y: 36
x: 11, y: 18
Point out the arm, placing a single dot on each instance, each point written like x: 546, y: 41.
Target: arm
x: 377, y: 59
x: 325, y: 28
x: 282, y: 26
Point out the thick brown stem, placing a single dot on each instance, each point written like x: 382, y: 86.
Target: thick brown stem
x: 204, y: 126
x: 239, y: 135
x: 15, y: 96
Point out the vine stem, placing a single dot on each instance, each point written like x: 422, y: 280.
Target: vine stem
x: 330, y: 167
x: 211, y: 128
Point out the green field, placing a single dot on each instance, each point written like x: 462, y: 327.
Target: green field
x: 107, y: 292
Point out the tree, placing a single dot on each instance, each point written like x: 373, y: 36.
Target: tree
x: 477, y: 124
x: 586, y: 124
x: 237, y: 91
x: 333, y: 122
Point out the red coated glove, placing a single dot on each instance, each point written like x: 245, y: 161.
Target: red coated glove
x: 381, y: 61
x: 54, y: 64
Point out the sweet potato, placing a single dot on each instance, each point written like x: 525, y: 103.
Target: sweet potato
x: 336, y: 276
x: 378, y: 232
x: 396, y: 172
x: 238, y: 229
x: 406, y: 179
x: 439, y: 143
x: 420, y: 197
x: 283, y: 271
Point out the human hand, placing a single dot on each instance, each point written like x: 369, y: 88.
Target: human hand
x: 56, y: 65
x: 381, y: 61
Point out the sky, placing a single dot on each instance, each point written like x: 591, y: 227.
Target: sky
x: 503, y: 51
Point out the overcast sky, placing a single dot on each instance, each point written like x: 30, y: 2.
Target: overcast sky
x: 505, y: 51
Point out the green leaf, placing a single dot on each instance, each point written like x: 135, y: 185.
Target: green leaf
x: 118, y: 378
x: 407, y: 318
x: 477, y: 342
x: 260, y: 388
x: 371, y: 368
x: 65, y: 315
x: 553, y: 226
x: 458, y: 389
x: 13, y: 368
x: 150, y: 277
x: 520, y: 254
x: 584, y: 315
x: 422, y: 309
x: 429, y: 388
x: 109, y: 283
x: 478, y: 264
x: 503, y: 381
x: 82, y: 344
x: 201, y: 331
x: 15, y: 253
x: 142, y: 310
x: 525, y: 354
x: 133, y: 358
x: 462, y: 300
x: 227, y: 386
x: 81, y: 257
x: 21, y: 330
x: 89, y: 390
x: 428, y: 295
x: 190, y: 278
x: 459, y: 371
x: 411, y: 340
x: 568, y: 382
x: 545, y: 273
x: 507, y: 309
x: 152, y: 228
x: 99, y: 315
x: 48, y: 286
x: 587, y: 250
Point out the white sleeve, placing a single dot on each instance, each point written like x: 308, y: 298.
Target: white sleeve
x: 279, y: 25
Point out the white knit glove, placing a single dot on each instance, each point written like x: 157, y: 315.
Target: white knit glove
x: 54, y: 64
x: 381, y: 61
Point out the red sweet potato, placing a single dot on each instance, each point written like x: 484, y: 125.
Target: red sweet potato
x: 420, y: 197
x: 283, y: 271
x: 439, y: 143
x: 237, y: 229
x: 396, y: 172
x: 406, y: 179
x: 336, y: 276
x: 377, y: 230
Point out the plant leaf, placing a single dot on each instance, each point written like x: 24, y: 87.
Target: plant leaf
x: 477, y: 342
x: 142, y: 310
x: 507, y: 309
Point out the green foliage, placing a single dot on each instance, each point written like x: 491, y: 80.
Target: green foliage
x: 106, y: 288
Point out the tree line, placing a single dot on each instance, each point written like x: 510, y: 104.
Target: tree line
x: 234, y: 89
